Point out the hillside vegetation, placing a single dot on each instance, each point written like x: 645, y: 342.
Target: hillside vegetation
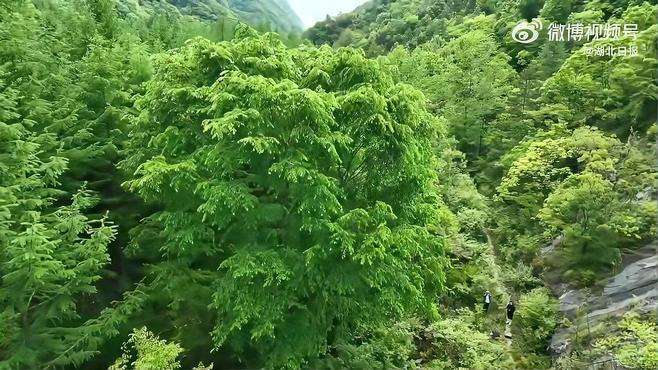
x: 264, y: 15
x: 180, y: 190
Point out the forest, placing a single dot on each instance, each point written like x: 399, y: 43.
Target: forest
x: 202, y: 184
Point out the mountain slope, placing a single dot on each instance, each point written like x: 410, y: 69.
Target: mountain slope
x: 378, y: 25
x: 274, y: 15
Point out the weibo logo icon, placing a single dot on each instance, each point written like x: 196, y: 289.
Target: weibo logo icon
x: 526, y: 32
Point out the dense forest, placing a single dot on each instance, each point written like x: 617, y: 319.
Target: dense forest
x: 198, y: 185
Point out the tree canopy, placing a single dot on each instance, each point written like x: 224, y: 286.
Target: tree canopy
x: 182, y: 190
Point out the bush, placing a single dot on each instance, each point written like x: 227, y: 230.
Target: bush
x: 145, y: 351
x: 535, y: 321
x: 457, y: 344
x: 388, y: 347
x: 636, y: 347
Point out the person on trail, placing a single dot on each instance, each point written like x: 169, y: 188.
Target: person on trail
x: 508, y: 323
x: 510, y: 310
x: 487, y: 301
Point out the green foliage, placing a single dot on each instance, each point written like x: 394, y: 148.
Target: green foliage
x: 535, y: 320
x: 379, y: 26
x: 556, y: 10
x: 584, y: 209
x: 529, y: 9
x: 382, y: 348
x: 574, y: 186
x: 67, y: 71
x: 295, y: 207
x: 617, y: 94
x: 636, y: 347
x: 52, y: 254
x: 315, y: 220
x: 455, y: 344
x: 272, y: 15
x: 151, y: 353
x: 449, y: 343
x: 467, y: 80
x: 474, y: 270
x: 53, y: 251
x: 47, y: 267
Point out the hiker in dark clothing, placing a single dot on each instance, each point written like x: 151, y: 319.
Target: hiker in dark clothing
x: 508, y: 323
x: 487, y: 301
x: 510, y: 310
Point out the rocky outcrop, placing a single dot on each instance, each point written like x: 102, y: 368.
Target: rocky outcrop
x: 635, y: 287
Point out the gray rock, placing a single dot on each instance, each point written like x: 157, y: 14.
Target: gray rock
x: 641, y: 275
x: 571, y: 301
x: 635, y: 287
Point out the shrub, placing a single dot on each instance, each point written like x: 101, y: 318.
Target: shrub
x: 145, y: 351
x: 535, y: 320
x: 457, y: 344
x: 637, y: 345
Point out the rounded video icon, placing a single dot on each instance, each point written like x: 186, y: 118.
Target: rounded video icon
x: 526, y: 32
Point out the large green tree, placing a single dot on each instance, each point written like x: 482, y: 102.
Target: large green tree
x: 297, y: 196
